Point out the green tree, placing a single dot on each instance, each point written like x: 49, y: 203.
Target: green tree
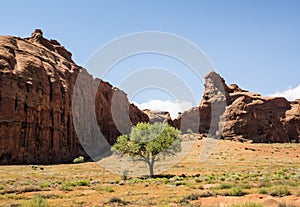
x: 149, y: 143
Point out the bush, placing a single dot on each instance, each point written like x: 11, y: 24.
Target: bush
x: 280, y: 192
x: 206, y: 194
x: 119, y: 201
x: 105, y: 189
x: 223, y: 178
x: 38, y: 201
x: 79, y: 159
x: 225, y: 186
x: 65, y: 188
x: 263, y: 191
x: 193, y: 197
x: 44, y: 185
x: 189, y: 131
x: 236, y: 191
x: 186, y: 200
x: 198, y: 180
x: 83, y: 183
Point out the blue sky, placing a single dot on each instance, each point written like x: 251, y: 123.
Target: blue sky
x: 255, y: 44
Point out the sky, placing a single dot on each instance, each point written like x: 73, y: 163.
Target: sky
x: 252, y: 43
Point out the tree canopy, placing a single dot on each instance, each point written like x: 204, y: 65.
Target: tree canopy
x: 149, y: 143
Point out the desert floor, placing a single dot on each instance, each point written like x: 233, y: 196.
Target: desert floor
x: 236, y: 174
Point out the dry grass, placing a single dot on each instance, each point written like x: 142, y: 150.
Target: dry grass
x: 234, y: 169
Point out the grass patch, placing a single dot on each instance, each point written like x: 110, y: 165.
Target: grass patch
x: 44, y: 185
x: 249, y: 204
x: 262, y: 191
x: 280, y: 192
x: 236, y: 191
x: 38, y: 201
x: 105, y: 189
x: 225, y: 186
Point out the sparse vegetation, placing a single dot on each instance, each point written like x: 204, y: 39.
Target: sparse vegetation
x: 79, y: 159
x: 280, y: 191
x: 286, y: 205
x: 263, y: 191
x: 89, y: 184
x: 249, y: 204
x: 189, y: 131
x: 38, y: 201
x: 235, y: 191
x: 108, y: 189
x: 225, y: 186
x: 117, y: 200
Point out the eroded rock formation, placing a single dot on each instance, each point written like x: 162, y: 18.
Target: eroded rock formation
x: 232, y: 113
x: 158, y: 116
x: 37, y: 78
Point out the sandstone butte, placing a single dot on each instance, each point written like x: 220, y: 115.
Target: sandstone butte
x: 229, y: 112
x: 37, y: 80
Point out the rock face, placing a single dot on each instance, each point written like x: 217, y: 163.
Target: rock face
x: 37, y: 78
x: 232, y: 113
x: 158, y: 116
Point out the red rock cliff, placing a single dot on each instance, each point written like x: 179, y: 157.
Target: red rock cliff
x: 232, y: 113
x: 37, y: 78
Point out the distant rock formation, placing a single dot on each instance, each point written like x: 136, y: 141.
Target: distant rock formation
x: 158, y: 116
x: 37, y: 78
x: 229, y: 112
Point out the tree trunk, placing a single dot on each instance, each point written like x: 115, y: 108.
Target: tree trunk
x: 150, y: 161
x: 151, y: 168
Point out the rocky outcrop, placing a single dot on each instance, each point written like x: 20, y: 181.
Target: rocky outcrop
x: 158, y: 116
x: 37, y: 78
x: 291, y: 121
x: 232, y: 113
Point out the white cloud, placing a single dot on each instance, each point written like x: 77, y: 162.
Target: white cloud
x: 172, y: 107
x: 290, y: 94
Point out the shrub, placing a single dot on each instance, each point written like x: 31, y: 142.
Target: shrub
x: 198, y: 180
x: 263, y: 191
x: 117, y: 200
x: 225, y: 186
x: 265, y: 184
x: 44, y: 185
x: 65, y: 188
x: 223, y: 178
x: 186, y: 200
x: 105, y: 189
x: 236, y: 191
x: 79, y: 159
x: 280, y: 191
x: 192, y: 197
x: 189, y: 131
x: 83, y: 183
x: 206, y: 194
x: 38, y: 201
